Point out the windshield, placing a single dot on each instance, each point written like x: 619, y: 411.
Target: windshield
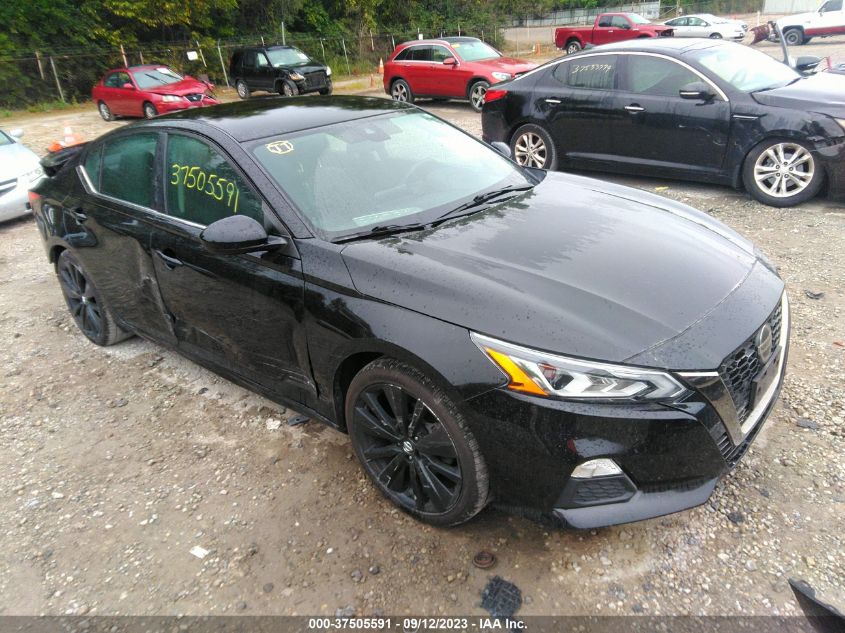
x: 5, y: 140
x: 287, y: 57
x: 154, y: 77
x: 475, y: 51
x: 744, y: 68
x: 636, y: 18
x: 395, y: 169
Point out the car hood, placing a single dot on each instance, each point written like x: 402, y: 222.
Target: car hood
x: 187, y: 86
x: 574, y: 266
x: 306, y: 67
x: 16, y: 159
x: 507, y: 65
x: 823, y: 92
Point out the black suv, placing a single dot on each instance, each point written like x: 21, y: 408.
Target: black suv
x: 283, y: 69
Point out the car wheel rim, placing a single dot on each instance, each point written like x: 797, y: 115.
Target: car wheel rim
x: 149, y: 112
x: 530, y: 150
x: 406, y: 449
x: 573, y: 48
x: 784, y: 170
x: 241, y: 89
x: 104, y: 111
x: 478, y: 92
x: 400, y: 92
x: 79, y: 294
x: 286, y: 89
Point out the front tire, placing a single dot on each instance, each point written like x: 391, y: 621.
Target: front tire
x: 105, y: 111
x: 794, y: 37
x: 287, y: 88
x: 414, y: 444
x: 782, y: 173
x: 149, y: 110
x: 242, y: 88
x: 532, y: 146
x: 327, y: 90
x: 477, y: 92
x: 573, y: 47
x: 401, y: 91
x: 89, y: 312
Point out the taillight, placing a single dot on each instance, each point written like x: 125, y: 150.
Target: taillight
x: 494, y: 94
x: 34, y: 201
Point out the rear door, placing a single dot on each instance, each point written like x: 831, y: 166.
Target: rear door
x: 659, y: 131
x: 113, y: 223
x: 579, y: 104
x: 249, y: 72
x: 243, y: 313
x: 264, y: 72
x: 680, y: 26
x: 418, y: 73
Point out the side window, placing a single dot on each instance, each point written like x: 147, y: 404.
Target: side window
x: 439, y: 53
x: 262, y: 61
x: 421, y: 53
x: 596, y: 73
x: 123, y: 78
x: 605, y: 20
x: 696, y: 22
x: 128, y: 169
x: 832, y: 5
x: 403, y: 55
x: 202, y: 187
x: 92, y: 166
x: 112, y: 81
x: 620, y: 22
x: 656, y: 76
x: 249, y: 59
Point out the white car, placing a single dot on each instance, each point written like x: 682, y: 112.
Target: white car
x: 706, y: 25
x: 828, y: 20
x: 20, y: 170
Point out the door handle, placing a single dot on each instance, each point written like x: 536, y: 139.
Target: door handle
x: 169, y: 262
x: 552, y: 101
x: 77, y: 214
x: 634, y: 108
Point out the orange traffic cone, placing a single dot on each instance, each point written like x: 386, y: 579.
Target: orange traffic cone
x: 69, y: 139
x: 380, y: 66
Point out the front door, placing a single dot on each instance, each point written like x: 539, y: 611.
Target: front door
x: 243, y: 313
x: 658, y: 131
x: 264, y: 72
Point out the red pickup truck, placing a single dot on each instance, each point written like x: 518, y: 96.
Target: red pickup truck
x: 609, y: 27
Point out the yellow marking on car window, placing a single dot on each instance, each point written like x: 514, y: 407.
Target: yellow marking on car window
x: 280, y: 147
x: 220, y: 189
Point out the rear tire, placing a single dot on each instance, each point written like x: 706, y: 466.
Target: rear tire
x: 715, y: 36
x: 782, y: 173
x: 572, y: 47
x: 401, y: 91
x: 91, y: 315
x: 105, y: 111
x: 242, y: 88
x: 794, y: 37
x: 476, y: 94
x: 414, y: 444
x: 532, y: 146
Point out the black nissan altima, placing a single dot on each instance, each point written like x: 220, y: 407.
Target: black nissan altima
x: 703, y: 110
x: 571, y: 350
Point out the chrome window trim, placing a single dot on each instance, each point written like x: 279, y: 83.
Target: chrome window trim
x: 704, y: 78
x: 420, y: 61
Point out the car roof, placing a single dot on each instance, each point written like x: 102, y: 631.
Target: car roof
x: 144, y: 66
x: 669, y: 45
x: 272, y: 116
x: 441, y: 40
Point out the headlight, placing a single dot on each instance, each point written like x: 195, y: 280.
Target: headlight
x: 296, y: 76
x: 33, y: 174
x: 841, y: 123
x: 328, y: 71
x: 552, y: 376
x: 501, y: 76
x: 170, y: 98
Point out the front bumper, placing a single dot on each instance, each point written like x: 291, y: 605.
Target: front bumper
x: 14, y: 202
x: 832, y: 159
x: 184, y: 104
x: 671, y: 455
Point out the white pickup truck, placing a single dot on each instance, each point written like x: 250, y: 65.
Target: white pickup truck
x: 828, y: 20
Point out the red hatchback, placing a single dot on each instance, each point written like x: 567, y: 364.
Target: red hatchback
x: 451, y: 68
x: 146, y: 91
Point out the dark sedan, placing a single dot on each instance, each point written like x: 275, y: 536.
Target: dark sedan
x: 565, y: 348
x: 703, y: 110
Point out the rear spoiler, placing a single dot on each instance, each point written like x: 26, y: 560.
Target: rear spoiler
x: 53, y: 162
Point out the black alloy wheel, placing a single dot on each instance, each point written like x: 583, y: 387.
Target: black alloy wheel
x: 414, y: 444
x: 86, y: 307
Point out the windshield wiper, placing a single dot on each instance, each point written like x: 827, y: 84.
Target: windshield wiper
x: 381, y: 229
x: 481, y: 199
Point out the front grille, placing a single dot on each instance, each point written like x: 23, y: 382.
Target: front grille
x: 739, y: 369
x: 7, y: 185
x: 315, y: 80
x: 731, y: 453
x: 194, y: 97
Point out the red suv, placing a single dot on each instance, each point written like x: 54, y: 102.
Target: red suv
x: 149, y: 90
x: 451, y: 68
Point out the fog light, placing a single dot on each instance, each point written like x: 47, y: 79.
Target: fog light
x: 596, y: 468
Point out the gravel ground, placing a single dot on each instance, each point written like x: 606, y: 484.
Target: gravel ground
x: 118, y: 461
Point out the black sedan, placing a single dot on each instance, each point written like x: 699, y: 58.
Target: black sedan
x: 565, y: 348
x: 703, y: 110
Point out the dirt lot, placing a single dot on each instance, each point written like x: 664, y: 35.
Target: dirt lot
x: 118, y: 461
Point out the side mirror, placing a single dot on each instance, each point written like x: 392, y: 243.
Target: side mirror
x: 450, y: 61
x: 697, y: 90
x: 503, y: 148
x: 16, y: 133
x: 237, y: 234
x: 806, y: 63
x: 128, y: 86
